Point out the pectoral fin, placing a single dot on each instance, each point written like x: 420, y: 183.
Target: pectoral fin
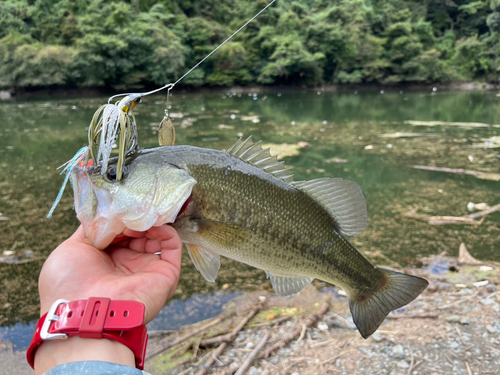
x: 206, y: 262
x: 288, y: 286
x: 206, y: 239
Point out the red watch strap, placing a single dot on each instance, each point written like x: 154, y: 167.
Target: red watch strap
x: 103, y: 315
x: 95, y: 318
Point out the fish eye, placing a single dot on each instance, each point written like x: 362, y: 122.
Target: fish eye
x: 111, y: 175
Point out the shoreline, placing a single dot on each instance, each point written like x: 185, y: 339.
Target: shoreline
x: 6, y: 94
x: 453, y: 327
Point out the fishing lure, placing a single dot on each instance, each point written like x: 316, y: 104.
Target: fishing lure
x: 69, y: 166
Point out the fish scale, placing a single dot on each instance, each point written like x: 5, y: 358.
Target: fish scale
x: 280, y: 237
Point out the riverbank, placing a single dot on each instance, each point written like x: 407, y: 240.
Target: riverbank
x: 6, y: 94
x: 452, y: 328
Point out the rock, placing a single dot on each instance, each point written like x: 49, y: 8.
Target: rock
x: 253, y: 371
x: 249, y: 345
x: 454, y: 345
x: 481, y: 283
x: 464, y: 320
x: 485, y: 268
x: 322, y: 326
x: 487, y: 301
x: 403, y: 364
x: 29, y: 253
x: 378, y: 337
x: 453, y: 318
x: 398, y: 351
x: 491, y: 329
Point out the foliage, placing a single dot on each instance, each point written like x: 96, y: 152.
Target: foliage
x: 133, y: 44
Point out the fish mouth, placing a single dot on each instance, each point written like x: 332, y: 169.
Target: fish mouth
x: 102, y: 230
x: 105, y: 213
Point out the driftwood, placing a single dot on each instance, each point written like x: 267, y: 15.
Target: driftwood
x: 166, y: 332
x: 443, y: 220
x: 273, y: 323
x: 408, y: 135
x: 477, y: 174
x: 295, y: 333
x: 231, y: 336
x: 212, y: 358
x: 337, y: 356
x: 464, y: 257
x: 182, y: 338
x: 248, y: 362
x: 440, y: 123
x: 224, y: 340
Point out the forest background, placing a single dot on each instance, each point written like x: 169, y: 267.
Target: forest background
x: 146, y: 43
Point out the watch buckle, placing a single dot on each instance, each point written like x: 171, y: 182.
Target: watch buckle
x: 52, y: 317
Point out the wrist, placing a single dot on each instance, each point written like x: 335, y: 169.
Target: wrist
x: 74, y: 349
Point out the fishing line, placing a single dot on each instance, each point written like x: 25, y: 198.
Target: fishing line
x: 171, y: 85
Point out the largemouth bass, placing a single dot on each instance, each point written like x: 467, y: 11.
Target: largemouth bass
x: 243, y: 204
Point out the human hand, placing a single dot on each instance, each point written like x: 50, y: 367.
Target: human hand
x: 127, y: 270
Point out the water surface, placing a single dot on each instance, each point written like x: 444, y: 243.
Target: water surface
x: 344, y: 133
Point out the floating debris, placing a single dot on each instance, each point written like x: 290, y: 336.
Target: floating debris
x: 464, y: 257
x: 336, y: 160
x: 254, y: 119
x: 477, y: 206
x: 445, y: 123
x: 283, y: 150
x: 492, y: 142
x: 408, y: 135
x: 478, y: 174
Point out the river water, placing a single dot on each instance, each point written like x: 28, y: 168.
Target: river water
x: 320, y: 134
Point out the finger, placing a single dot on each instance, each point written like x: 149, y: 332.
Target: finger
x: 157, y: 239
x: 163, y: 233
x: 145, y: 245
x: 133, y: 233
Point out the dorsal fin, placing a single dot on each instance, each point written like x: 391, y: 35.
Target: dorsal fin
x: 343, y: 199
x: 253, y: 153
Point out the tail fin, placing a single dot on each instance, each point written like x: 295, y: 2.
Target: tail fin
x: 397, y: 290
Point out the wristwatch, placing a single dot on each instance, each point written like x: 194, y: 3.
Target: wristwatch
x: 95, y: 318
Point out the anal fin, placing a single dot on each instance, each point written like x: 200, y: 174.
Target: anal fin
x: 205, y: 261
x: 288, y: 286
